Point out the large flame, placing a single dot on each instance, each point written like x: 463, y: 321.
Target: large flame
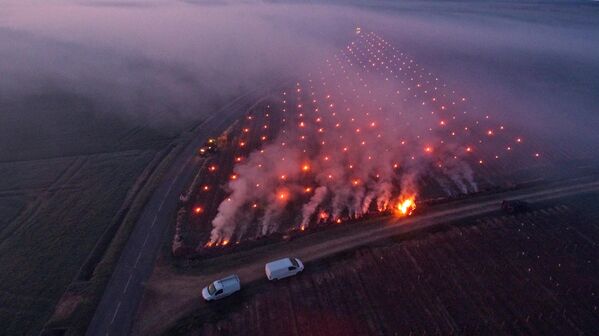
x: 405, y: 206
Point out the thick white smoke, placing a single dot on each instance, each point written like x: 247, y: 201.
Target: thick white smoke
x: 356, y: 137
x: 310, y: 207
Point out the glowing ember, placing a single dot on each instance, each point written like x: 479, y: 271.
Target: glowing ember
x: 283, y: 195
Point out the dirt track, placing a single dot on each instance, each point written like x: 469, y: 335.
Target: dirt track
x: 171, y: 296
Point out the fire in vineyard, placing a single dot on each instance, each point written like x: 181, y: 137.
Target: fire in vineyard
x: 361, y: 134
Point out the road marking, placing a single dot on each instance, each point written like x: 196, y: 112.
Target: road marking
x: 167, y: 193
x: 154, y: 221
x: 137, y: 260
x: 127, y: 284
x: 118, y: 306
x: 146, y: 240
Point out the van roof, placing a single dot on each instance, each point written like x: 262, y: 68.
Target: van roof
x: 278, y: 264
x: 229, y: 280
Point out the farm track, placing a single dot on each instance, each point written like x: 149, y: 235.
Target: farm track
x: 41, y: 197
x: 468, y: 279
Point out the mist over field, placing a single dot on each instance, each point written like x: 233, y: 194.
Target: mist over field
x: 92, y: 92
x: 167, y: 63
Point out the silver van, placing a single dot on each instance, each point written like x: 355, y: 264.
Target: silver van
x: 221, y: 288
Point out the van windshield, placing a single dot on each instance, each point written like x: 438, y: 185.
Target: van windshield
x: 293, y: 262
x: 211, y: 289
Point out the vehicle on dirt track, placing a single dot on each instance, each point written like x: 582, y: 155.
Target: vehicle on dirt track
x: 283, y: 268
x: 514, y: 206
x: 221, y: 288
x: 209, y: 147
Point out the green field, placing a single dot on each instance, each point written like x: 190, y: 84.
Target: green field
x: 65, y: 169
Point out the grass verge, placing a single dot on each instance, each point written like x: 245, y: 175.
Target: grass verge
x: 76, y: 308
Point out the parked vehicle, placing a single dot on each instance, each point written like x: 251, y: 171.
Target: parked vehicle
x: 515, y: 206
x: 221, y: 288
x: 283, y: 268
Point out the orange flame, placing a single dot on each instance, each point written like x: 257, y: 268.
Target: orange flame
x: 406, y: 206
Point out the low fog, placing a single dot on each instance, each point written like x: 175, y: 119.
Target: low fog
x: 165, y: 64
x: 97, y: 96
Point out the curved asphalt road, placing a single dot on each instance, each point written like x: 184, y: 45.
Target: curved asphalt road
x: 116, y: 310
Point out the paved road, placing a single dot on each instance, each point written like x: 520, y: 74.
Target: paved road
x: 123, y: 293
x: 178, y: 293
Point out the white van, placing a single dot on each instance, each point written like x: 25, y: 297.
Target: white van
x: 221, y: 288
x: 283, y: 268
